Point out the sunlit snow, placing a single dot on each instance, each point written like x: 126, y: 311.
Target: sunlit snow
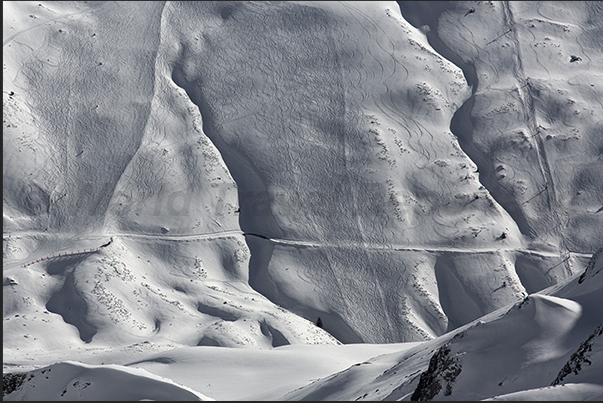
x: 188, y: 187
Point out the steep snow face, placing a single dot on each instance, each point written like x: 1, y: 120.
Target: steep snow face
x: 333, y: 120
x: 260, y: 165
x: 187, y: 176
x: 102, y: 148
x: 540, y: 345
x: 533, y: 122
x: 314, y: 102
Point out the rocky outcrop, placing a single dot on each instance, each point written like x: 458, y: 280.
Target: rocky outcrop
x: 595, y: 264
x: 581, y: 356
x: 441, y: 374
x: 12, y: 382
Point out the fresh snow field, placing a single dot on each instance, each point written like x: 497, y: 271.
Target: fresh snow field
x: 189, y: 186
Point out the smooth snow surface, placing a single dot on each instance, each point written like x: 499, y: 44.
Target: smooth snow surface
x: 189, y: 186
x: 106, y: 382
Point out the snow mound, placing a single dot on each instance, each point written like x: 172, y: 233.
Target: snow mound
x: 76, y: 381
x: 536, y: 346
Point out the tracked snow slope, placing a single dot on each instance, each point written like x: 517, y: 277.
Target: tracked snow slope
x: 351, y: 144
x: 336, y: 131
x: 357, y: 131
x: 62, y: 80
x: 328, y: 124
x: 544, y: 347
x: 153, y: 189
x: 533, y: 122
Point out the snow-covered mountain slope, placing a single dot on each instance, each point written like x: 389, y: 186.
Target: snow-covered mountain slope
x: 77, y: 381
x: 148, y: 181
x: 533, y: 122
x: 544, y: 347
x: 184, y: 175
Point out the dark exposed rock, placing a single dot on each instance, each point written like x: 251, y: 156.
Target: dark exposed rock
x: 442, y: 372
x: 574, y: 365
x: 591, y: 265
x: 9, y: 281
x: 12, y: 382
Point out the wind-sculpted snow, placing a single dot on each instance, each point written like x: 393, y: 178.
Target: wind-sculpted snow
x: 400, y: 170
x: 74, y: 88
x: 77, y: 381
x: 101, y: 143
x: 332, y: 141
x: 533, y: 123
x: 520, y: 350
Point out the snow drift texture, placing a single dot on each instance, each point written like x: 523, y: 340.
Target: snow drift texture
x: 225, y: 173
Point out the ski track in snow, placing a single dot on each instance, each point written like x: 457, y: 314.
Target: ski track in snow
x: 554, y: 206
x: 531, y: 113
x: 275, y: 241
x: 534, y: 127
x: 52, y: 21
x: 512, y: 32
x: 342, y: 251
